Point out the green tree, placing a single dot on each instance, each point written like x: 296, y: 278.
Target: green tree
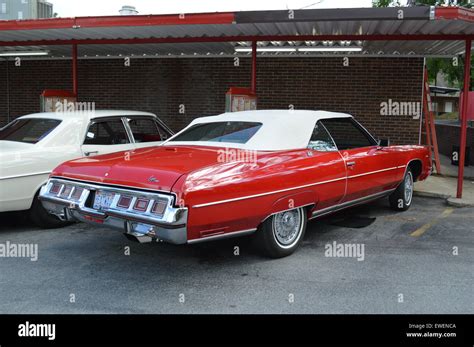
x: 451, y: 68
x: 385, y: 3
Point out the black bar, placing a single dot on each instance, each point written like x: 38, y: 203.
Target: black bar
x: 261, y: 329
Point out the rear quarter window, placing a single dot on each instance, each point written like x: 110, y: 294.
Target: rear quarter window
x: 230, y: 132
x: 28, y: 130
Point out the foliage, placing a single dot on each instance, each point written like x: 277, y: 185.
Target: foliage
x: 453, y: 72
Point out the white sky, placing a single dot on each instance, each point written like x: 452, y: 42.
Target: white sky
x: 76, y: 8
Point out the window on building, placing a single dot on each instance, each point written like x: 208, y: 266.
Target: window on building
x: 448, y: 107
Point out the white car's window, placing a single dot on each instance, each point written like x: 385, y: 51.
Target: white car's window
x: 230, y: 132
x: 106, y: 132
x: 321, y: 140
x: 28, y: 130
x: 146, y: 129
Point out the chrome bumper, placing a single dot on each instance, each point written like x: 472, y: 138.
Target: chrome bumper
x: 145, y: 227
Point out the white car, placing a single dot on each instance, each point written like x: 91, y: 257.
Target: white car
x: 32, y: 146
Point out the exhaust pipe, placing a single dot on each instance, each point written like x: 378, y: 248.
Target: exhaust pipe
x: 140, y: 238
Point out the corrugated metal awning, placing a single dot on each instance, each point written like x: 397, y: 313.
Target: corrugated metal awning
x: 410, y: 31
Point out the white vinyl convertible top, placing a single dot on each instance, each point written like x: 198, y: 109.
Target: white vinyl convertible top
x: 86, y: 115
x: 281, y: 129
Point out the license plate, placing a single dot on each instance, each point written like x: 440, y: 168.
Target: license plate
x: 103, y: 200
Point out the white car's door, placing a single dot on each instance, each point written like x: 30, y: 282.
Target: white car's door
x: 146, y: 131
x: 106, y: 135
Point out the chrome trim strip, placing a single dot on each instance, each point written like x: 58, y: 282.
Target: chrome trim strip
x: 377, y: 171
x: 111, y: 186
x: 288, y: 189
x: 172, y: 216
x: 350, y: 203
x: 267, y: 193
x: 332, y: 139
x: 347, y: 180
x: 26, y: 175
x: 128, y: 130
x: 223, y: 236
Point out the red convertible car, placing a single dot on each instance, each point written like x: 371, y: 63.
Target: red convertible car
x: 262, y: 172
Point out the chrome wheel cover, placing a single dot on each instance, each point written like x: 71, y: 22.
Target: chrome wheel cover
x: 408, y: 192
x: 287, y: 227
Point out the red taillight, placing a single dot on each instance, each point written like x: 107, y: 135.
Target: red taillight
x: 141, y: 204
x: 76, y: 195
x: 159, y: 206
x: 55, y: 188
x: 92, y: 219
x: 66, y: 191
x: 124, y: 201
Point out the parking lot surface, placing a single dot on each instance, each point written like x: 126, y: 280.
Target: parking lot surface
x: 419, y: 261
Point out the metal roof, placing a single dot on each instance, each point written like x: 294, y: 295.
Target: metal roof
x: 406, y: 31
x: 443, y: 90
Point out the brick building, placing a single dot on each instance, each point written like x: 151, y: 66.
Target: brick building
x: 348, y: 60
x: 162, y: 85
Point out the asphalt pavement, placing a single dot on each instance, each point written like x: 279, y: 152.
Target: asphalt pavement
x: 419, y: 261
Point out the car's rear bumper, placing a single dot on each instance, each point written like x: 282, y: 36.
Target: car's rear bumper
x: 171, y: 227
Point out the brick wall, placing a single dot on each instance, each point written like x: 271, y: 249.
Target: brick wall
x: 161, y: 85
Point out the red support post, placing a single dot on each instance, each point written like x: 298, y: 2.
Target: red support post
x: 465, y: 98
x: 254, y: 66
x: 74, y: 69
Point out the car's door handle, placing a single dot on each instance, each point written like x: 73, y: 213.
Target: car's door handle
x: 91, y: 152
x: 350, y: 163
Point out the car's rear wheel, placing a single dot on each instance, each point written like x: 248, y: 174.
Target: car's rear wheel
x: 280, y: 234
x: 401, y: 198
x: 43, y: 218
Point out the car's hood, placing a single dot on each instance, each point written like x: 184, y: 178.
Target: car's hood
x: 156, y: 168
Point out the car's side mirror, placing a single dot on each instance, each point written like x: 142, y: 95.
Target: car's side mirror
x: 383, y: 142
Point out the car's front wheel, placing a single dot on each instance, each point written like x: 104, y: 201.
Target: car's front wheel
x: 43, y: 218
x: 401, y: 198
x: 280, y: 234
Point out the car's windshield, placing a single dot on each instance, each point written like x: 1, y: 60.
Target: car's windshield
x: 230, y: 132
x: 28, y: 130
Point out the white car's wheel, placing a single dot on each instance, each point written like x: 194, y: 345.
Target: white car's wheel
x: 281, y: 234
x: 42, y: 218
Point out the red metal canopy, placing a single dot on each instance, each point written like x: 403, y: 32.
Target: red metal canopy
x: 207, y: 34
x: 404, y: 31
